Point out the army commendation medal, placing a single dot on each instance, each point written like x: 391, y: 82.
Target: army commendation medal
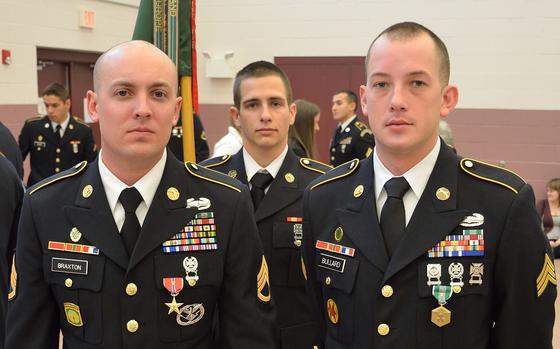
x: 441, y: 316
x: 174, y: 285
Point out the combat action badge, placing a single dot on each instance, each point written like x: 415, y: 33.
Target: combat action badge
x: 441, y: 316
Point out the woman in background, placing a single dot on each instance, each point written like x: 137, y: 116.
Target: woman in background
x: 549, y: 210
x: 302, y: 132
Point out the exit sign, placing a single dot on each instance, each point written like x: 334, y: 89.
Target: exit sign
x: 87, y: 18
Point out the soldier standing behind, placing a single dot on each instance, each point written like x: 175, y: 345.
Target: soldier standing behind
x: 263, y: 112
x: 139, y: 250
x: 352, y: 139
x: 11, y: 195
x: 417, y: 247
x: 56, y: 141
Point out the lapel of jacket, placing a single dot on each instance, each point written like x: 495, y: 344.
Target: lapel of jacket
x: 433, y: 218
x: 165, y: 217
x: 68, y: 133
x: 359, y: 218
x: 281, y: 193
x: 49, y: 132
x: 93, y: 217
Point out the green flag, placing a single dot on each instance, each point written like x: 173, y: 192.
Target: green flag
x: 161, y: 27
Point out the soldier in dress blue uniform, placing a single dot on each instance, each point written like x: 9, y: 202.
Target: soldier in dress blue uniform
x: 263, y: 112
x: 137, y: 249
x: 10, y: 148
x: 352, y: 139
x: 417, y: 247
x: 56, y: 141
x: 11, y: 189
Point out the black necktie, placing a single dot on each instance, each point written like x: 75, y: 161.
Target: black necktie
x: 57, y: 132
x: 392, y: 215
x: 130, y: 198
x: 258, y: 183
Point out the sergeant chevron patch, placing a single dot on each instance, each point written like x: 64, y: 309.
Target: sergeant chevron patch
x: 263, y: 285
x: 547, y: 275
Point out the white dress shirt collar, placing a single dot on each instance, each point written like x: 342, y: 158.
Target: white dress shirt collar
x: 346, y: 123
x: 63, y: 125
x: 252, y: 167
x: 146, y: 186
x: 417, y: 177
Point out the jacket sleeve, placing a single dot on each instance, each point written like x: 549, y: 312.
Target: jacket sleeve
x: 525, y: 281
x: 32, y: 320
x: 245, y: 311
x: 24, y: 141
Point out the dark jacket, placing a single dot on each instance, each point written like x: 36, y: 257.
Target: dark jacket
x: 11, y: 189
x: 354, y: 142
x: 278, y: 219
x: 50, y: 155
x: 105, y: 300
x: 370, y: 301
x: 10, y: 148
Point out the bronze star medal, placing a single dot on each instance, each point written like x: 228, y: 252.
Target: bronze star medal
x: 174, y: 285
x: 441, y: 316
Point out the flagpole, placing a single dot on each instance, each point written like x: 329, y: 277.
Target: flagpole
x: 187, y: 119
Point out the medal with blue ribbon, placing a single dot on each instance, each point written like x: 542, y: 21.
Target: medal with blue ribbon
x: 441, y: 316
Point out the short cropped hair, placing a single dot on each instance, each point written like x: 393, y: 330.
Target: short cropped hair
x: 56, y: 89
x: 259, y: 69
x: 410, y: 30
x: 350, y: 96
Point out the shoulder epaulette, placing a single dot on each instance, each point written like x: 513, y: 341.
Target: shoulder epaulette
x: 492, y: 173
x: 35, y: 118
x: 212, y: 176
x: 340, y: 171
x: 74, y: 170
x: 217, y: 161
x: 361, y: 125
x: 364, y: 129
x: 314, y: 165
x: 80, y: 121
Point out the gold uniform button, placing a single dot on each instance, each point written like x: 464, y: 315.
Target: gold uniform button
x: 57, y: 170
x: 57, y: 160
x: 131, y: 289
x: 383, y: 329
x: 68, y: 282
x: 387, y: 291
x: 132, y: 326
x: 333, y: 150
x: 315, y: 347
x: 58, y: 150
x: 328, y: 281
x: 469, y: 164
x: 332, y: 158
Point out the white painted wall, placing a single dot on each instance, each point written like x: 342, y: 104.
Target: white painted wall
x: 504, y: 53
x: 28, y: 24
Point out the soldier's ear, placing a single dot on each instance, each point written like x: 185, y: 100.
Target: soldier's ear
x: 363, y: 102
x: 91, y: 102
x: 234, y: 115
x: 177, y: 111
x: 450, y: 97
x: 293, y: 112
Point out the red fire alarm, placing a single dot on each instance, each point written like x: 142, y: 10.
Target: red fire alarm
x: 6, y: 57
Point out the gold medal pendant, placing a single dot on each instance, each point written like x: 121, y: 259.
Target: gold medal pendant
x: 441, y: 316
